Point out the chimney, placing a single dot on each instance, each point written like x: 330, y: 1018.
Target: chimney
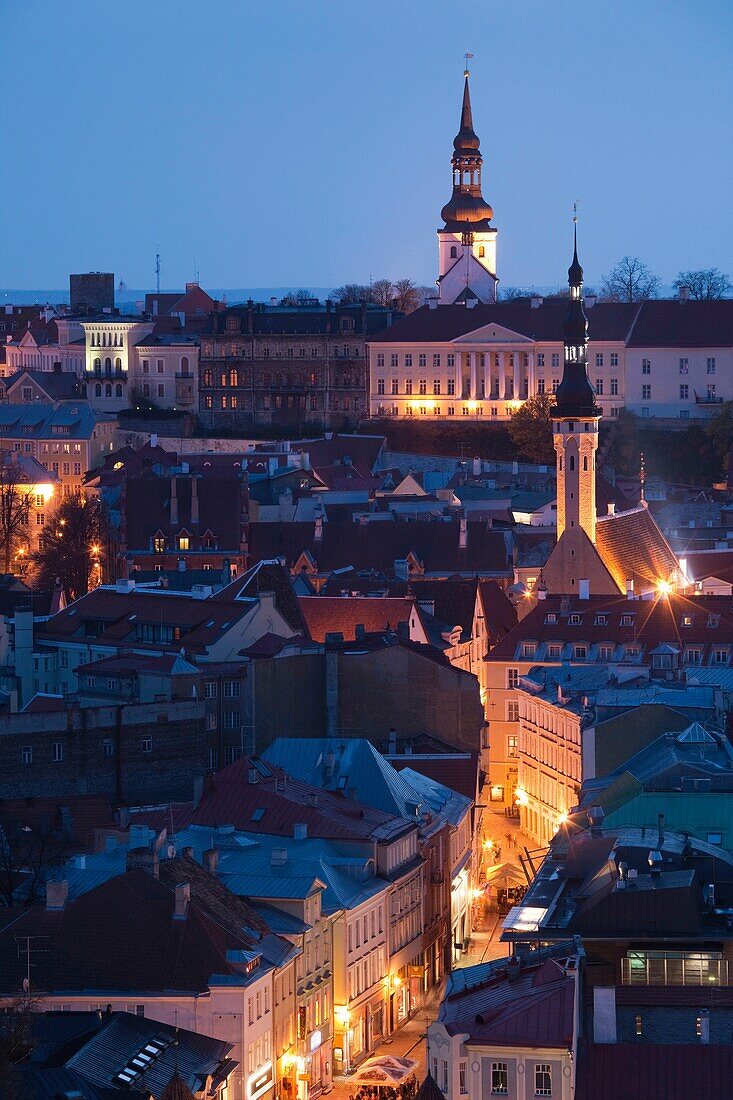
x: 589, y: 301
x: 145, y: 858
x: 360, y: 632
x: 612, y: 508
x: 252, y: 776
x: 194, y: 500
x: 187, y: 852
x: 684, y: 294
x: 300, y: 830
x: 477, y: 467
x: 278, y: 857
x: 174, y: 503
x: 604, y: 1014
x: 401, y: 569
x: 630, y: 589
x: 57, y: 894
x: 536, y: 301
x: 392, y: 741
x: 273, y: 300
x: 154, y: 440
x: 595, y: 816
x: 660, y: 839
x: 432, y: 303
x: 183, y: 897
x: 211, y: 860
x: 654, y: 859
x: 319, y: 528
x: 584, y: 589
x: 703, y: 1025
x: 462, y: 532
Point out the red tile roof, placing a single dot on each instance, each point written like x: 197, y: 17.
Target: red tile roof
x: 231, y: 799
x: 702, y: 621
x: 632, y: 547
x: 342, y: 614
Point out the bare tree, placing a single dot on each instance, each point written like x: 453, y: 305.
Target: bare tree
x: 629, y: 281
x: 425, y: 293
x: 351, y: 294
x: 511, y: 293
x: 16, y: 1044
x: 708, y: 283
x: 407, y: 297
x: 16, y: 498
x: 298, y: 297
x: 26, y: 855
x: 382, y: 292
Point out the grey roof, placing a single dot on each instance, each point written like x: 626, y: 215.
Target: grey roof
x: 39, y: 421
x: 441, y: 800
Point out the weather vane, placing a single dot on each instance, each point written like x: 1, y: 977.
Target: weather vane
x: 468, y: 57
x: 575, y: 212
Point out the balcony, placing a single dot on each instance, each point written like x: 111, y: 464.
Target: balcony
x: 676, y: 968
x: 707, y: 399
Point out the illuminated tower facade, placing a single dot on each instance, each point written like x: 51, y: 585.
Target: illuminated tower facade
x: 576, y: 418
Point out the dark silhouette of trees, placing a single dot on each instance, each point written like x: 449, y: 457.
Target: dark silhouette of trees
x: 708, y: 283
x: 629, y: 281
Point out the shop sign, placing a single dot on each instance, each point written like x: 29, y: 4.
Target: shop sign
x: 259, y: 1082
x: 316, y: 1040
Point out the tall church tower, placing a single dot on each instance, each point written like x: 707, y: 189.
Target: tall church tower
x: 576, y: 418
x: 467, y: 241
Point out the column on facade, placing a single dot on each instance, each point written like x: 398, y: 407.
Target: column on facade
x: 473, y: 374
x: 487, y: 374
x: 459, y: 375
x: 518, y: 374
x: 531, y: 382
x: 502, y: 375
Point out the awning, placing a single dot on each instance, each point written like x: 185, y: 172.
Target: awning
x: 505, y: 874
x: 386, y: 1072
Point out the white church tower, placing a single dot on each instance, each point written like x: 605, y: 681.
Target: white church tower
x: 467, y: 241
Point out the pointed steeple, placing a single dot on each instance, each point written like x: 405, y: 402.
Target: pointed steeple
x: 576, y: 397
x: 467, y: 209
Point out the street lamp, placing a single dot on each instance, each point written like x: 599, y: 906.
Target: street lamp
x: 343, y: 1017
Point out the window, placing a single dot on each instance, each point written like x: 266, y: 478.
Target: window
x: 555, y: 384
x: 684, y: 392
x: 453, y: 252
x: 27, y: 754
x: 380, y: 386
x: 710, y: 364
x: 444, y: 1076
x: 451, y: 387
x: 500, y: 1078
x: 108, y: 747
x: 232, y: 720
x: 720, y: 656
x: 436, y: 359
x: 580, y: 652
x: 423, y: 386
x: 395, y: 386
x: 512, y: 745
x: 57, y: 751
x: 711, y: 391
x: 540, y: 385
x: 646, y: 393
x: 715, y: 838
x: 555, y: 359
x: 599, y: 387
x: 684, y: 365
x: 554, y: 652
x: 540, y: 359
x: 627, y: 620
x: 183, y: 542
x: 231, y: 689
x: 211, y: 689
x: 436, y: 387
x: 462, y: 1078
x: 646, y: 366
x: 161, y: 390
x: 614, y: 387
x: 380, y: 360
x: 605, y: 652
x: 614, y: 359
x: 542, y: 1079
x: 638, y: 1025
x: 408, y: 386
x: 147, y: 743
x: 512, y: 678
x: 575, y: 619
x: 512, y: 712
x: 529, y: 649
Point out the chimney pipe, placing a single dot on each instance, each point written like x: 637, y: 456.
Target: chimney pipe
x: 211, y: 860
x: 183, y: 897
x: 57, y: 894
x: 393, y: 741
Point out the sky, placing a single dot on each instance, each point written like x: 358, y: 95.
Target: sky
x: 284, y: 143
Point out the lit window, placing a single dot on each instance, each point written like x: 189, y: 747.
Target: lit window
x: 542, y: 1079
x: 500, y: 1078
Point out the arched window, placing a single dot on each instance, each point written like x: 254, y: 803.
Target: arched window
x: 97, y: 365
x: 481, y: 251
x: 232, y: 377
x: 108, y: 390
x: 97, y: 390
x: 118, y: 363
x: 571, y: 463
x: 184, y: 364
x: 108, y: 365
x: 118, y: 390
x: 585, y: 462
x: 453, y: 252
x: 208, y: 378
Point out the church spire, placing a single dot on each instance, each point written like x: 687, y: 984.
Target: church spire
x: 466, y: 210
x: 576, y: 397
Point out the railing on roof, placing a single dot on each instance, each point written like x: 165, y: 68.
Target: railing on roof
x: 663, y: 968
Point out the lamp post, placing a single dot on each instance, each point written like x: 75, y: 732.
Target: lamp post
x: 344, y: 1018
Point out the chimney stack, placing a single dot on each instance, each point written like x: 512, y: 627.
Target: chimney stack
x: 392, y: 741
x: 462, y: 532
x: 211, y: 860
x: 57, y: 894
x: 183, y: 897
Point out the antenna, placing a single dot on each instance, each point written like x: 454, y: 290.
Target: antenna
x: 195, y: 271
x: 576, y: 204
x: 468, y: 57
x: 157, y: 272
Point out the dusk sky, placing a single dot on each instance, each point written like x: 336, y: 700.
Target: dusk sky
x: 285, y: 143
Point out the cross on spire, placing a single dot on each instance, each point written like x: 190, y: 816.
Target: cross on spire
x: 468, y: 57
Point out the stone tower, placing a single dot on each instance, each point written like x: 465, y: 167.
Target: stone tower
x: 576, y: 418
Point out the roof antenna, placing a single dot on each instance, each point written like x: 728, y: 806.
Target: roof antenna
x: 642, y: 480
x: 157, y: 272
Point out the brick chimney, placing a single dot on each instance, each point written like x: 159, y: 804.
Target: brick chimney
x: 57, y: 894
x: 183, y: 897
x: 211, y: 860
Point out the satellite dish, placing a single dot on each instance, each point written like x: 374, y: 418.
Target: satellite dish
x: 171, y: 851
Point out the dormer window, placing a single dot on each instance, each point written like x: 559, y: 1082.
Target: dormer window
x: 601, y: 620
x: 627, y: 620
x: 575, y: 619
x: 551, y: 617
x: 529, y: 649
x: 713, y: 622
x: 184, y: 541
x: 687, y: 620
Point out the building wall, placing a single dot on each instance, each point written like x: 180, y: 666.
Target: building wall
x: 133, y: 754
x: 550, y: 766
x: 678, y: 381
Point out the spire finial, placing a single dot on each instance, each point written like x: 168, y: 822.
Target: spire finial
x: 467, y: 71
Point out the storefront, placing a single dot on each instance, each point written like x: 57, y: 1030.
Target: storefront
x: 359, y: 1029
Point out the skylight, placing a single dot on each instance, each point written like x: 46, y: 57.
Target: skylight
x: 258, y: 814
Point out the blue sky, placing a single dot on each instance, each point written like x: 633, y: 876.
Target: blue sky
x: 284, y: 143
